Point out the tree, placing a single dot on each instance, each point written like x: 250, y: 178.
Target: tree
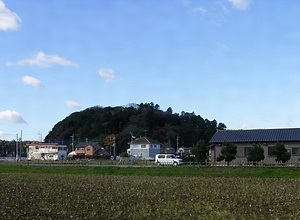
x: 200, y: 151
x: 228, y: 152
x: 256, y: 154
x: 282, y: 155
x: 97, y: 122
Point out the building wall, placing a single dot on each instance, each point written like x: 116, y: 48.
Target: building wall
x: 89, y: 150
x: 145, y: 151
x: 45, y: 151
x: 243, y: 149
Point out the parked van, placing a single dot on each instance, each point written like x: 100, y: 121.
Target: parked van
x: 167, y: 159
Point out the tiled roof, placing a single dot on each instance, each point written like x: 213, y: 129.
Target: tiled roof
x: 257, y: 135
x: 145, y: 140
x: 84, y: 144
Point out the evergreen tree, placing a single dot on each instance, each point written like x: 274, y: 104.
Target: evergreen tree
x: 228, y: 152
x: 200, y: 151
x: 282, y: 155
x: 256, y: 154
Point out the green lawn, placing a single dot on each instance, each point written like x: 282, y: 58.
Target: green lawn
x: 182, y: 171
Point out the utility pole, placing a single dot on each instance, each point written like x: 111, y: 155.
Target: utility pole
x: 72, y: 142
x: 114, y: 145
x: 17, y: 138
x: 21, y: 145
x: 177, y: 140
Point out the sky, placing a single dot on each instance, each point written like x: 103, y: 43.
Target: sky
x: 235, y: 61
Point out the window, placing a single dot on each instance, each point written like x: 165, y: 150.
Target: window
x: 88, y: 149
x: 270, y: 153
x: 296, y: 151
x: 161, y: 156
x: 241, y: 151
x: 143, y: 146
x: 246, y: 151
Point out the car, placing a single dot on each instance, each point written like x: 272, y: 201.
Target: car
x: 167, y: 159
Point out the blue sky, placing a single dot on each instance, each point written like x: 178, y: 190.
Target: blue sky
x: 236, y: 61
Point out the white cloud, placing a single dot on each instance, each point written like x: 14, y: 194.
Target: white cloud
x: 246, y: 126
x: 200, y: 10
x: 28, y: 80
x: 240, y: 4
x: 8, y: 19
x: 107, y: 74
x: 1, y: 133
x: 12, y: 116
x: 43, y: 60
x: 222, y: 47
x: 72, y: 104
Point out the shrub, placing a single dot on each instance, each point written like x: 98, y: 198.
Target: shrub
x: 228, y: 152
x: 282, y: 155
x: 256, y: 154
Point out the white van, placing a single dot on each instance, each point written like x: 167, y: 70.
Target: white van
x: 167, y: 159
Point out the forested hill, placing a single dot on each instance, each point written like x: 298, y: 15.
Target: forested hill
x: 100, y: 123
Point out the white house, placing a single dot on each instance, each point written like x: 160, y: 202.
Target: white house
x: 46, y: 151
x: 144, y: 148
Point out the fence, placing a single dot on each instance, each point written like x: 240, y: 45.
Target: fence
x: 127, y: 162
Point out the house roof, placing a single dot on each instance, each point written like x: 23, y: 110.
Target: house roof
x: 257, y: 135
x: 144, y: 140
x: 84, y: 144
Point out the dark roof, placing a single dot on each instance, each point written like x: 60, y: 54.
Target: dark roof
x: 84, y: 144
x: 144, y: 140
x: 257, y: 135
x: 102, y: 151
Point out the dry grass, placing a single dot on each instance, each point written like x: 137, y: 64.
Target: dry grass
x: 61, y: 196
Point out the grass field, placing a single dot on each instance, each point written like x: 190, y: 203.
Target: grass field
x: 182, y: 171
x: 148, y: 193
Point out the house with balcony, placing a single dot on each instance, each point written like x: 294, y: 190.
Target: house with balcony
x: 267, y: 138
x: 46, y: 151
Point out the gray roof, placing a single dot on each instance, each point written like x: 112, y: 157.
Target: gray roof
x: 257, y: 135
x: 144, y: 140
x: 84, y: 144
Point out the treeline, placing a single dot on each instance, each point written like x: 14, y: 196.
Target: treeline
x: 8, y: 148
x: 146, y: 119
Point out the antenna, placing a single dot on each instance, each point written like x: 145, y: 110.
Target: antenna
x: 40, y: 136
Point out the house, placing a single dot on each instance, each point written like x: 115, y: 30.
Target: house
x: 169, y: 150
x: 144, y: 148
x: 102, y: 152
x: 86, y: 149
x: 46, y: 151
x: 267, y: 138
x: 184, y: 152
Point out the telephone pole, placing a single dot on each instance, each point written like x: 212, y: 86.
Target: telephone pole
x: 21, y: 144
x: 114, y: 145
x: 17, y: 139
x: 177, y: 141
x: 72, y: 142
